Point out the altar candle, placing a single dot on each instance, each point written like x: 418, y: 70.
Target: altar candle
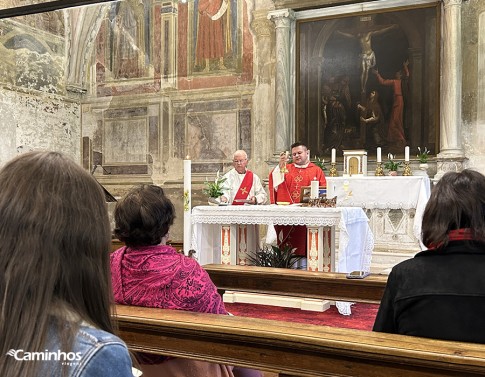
x: 406, y: 154
x: 333, y: 155
x: 187, y: 203
x: 314, y: 189
x: 379, y: 154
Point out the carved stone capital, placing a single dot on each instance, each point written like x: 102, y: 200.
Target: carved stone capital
x: 282, y: 17
x: 449, y: 3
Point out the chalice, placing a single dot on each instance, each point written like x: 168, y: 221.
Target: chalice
x: 284, y: 169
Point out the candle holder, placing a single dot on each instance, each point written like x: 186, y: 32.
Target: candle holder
x: 379, y: 170
x: 333, y: 170
x: 407, y: 169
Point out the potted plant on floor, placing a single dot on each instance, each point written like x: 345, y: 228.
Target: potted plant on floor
x: 392, y: 165
x: 274, y: 256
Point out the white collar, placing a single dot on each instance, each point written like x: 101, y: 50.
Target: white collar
x: 302, y: 166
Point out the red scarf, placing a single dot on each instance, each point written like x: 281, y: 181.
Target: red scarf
x: 244, y: 188
x: 463, y: 234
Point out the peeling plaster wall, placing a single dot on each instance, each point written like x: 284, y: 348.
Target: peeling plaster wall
x: 40, y: 121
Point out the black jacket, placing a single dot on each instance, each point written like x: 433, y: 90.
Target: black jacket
x: 437, y: 294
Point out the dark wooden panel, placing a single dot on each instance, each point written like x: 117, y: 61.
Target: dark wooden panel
x: 299, y: 283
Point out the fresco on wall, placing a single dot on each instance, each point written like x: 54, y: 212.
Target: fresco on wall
x: 368, y: 81
x: 209, y: 138
x: 32, y: 55
x: 216, y: 35
x: 128, y: 40
x: 178, y: 50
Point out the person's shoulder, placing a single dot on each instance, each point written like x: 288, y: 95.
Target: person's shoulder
x: 88, y: 334
x: 100, y: 353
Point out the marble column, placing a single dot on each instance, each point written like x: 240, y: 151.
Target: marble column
x: 284, y: 124
x: 263, y: 130
x: 451, y: 152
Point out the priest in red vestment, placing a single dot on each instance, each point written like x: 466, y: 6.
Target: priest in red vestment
x: 285, y: 183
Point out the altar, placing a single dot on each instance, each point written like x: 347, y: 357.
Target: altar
x: 220, y: 236
x: 217, y: 235
x: 395, y: 206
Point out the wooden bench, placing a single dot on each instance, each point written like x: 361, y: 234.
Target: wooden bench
x: 294, y: 349
x: 298, y: 283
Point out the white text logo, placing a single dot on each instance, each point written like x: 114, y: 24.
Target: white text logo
x: 22, y: 355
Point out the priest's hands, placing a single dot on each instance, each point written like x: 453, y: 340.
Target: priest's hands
x: 283, y: 159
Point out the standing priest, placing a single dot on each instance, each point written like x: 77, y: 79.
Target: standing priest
x: 285, y: 183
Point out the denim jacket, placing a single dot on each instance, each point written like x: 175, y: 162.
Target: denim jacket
x: 95, y: 353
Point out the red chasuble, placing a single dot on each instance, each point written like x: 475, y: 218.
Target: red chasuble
x: 295, y: 179
x: 244, y: 188
x: 289, y: 191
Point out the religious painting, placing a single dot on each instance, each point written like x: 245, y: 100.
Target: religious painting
x: 128, y: 39
x: 369, y: 80
x: 215, y: 36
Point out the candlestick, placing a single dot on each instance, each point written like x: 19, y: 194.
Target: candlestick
x: 407, y: 169
x: 406, y: 154
x: 187, y: 204
x: 379, y: 170
x: 379, y: 154
x: 333, y: 170
x: 334, y: 153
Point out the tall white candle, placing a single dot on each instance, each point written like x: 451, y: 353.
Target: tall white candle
x: 187, y: 204
x: 406, y: 154
x: 314, y: 189
x: 334, y: 152
x: 379, y: 154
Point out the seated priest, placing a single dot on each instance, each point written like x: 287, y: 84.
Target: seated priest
x: 285, y: 183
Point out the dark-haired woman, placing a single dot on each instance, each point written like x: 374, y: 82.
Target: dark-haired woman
x: 440, y: 293
x: 147, y: 272
x: 55, y: 291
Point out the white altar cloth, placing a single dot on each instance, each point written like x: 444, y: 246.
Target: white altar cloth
x: 383, y: 192
x: 356, y: 240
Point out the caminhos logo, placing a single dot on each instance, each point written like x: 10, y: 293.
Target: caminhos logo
x: 22, y: 355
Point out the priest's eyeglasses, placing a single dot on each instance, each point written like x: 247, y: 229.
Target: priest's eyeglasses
x: 239, y: 161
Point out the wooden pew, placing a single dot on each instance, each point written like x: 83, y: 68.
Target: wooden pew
x: 294, y: 349
x: 297, y: 283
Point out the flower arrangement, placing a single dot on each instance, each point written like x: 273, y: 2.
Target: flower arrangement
x: 215, y: 189
x: 391, y: 164
x: 423, y: 155
x: 320, y: 162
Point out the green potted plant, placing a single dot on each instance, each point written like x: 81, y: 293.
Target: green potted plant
x: 214, y: 189
x: 423, y: 156
x: 320, y: 162
x: 392, y: 165
x: 282, y: 256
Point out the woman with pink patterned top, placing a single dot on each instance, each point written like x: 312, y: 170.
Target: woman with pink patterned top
x: 147, y: 272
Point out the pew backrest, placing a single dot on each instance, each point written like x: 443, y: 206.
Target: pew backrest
x: 297, y: 283
x: 294, y: 349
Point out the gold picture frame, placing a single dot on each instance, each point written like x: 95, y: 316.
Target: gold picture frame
x: 305, y: 193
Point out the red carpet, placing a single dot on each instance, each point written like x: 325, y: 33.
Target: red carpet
x: 362, y: 317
